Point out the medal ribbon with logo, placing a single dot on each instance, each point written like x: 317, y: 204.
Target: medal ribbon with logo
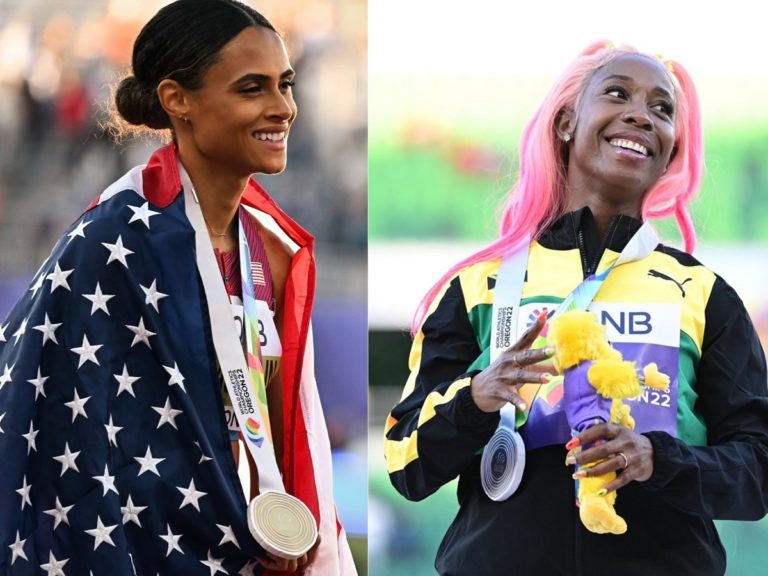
x: 503, y: 460
x: 257, y: 430
x: 281, y: 523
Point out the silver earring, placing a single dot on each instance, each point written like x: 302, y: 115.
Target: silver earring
x: 566, y: 137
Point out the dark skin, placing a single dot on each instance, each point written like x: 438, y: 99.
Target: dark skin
x: 620, y: 141
x: 234, y: 125
x: 500, y: 383
x: 629, y: 99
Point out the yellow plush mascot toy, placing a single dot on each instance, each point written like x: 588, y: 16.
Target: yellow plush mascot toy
x: 597, y: 378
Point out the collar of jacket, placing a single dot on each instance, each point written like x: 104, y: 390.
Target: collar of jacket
x: 578, y: 230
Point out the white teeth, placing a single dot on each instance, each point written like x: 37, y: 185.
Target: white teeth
x: 629, y: 145
x: 272, y: 136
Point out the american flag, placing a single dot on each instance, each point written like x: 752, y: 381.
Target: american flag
x: 115, y: 457
x: 257, y: 274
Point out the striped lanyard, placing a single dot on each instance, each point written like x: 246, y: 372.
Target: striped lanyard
x: 253, y: 328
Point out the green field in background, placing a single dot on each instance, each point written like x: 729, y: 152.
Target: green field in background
x: 421, y: 191
x: 421, y: 525
x: 419, y: 186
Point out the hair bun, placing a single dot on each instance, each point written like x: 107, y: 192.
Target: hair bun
x: 139, y: 105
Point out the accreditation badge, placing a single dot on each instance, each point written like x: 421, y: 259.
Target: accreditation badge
x: 269, y: 340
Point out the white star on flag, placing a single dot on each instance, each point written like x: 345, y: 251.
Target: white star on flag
x: 107, y: 481
x: 101, y: 533
x: 214, y: 564
x: 153, y: 295
x: 191, y: 495
x: 5, y: 377
x: 2, y: 332
x: 117, y: 251
x: 148, y: 463
x: 247, y: 570
x: 39, y: 281
x: 142, y: 213
x: 141, y: 334
x: 99, y: 300
x: 167, y: 414
x: 176, y: 376
x: 77, y: 405
x: 112, y: 431
x: 58, y: 278
x: 39, y: 384
x: 17, y: 549
x: 87, y: 352
x: 24, y: 492
x: 229, y: 535
x: 1, y: 419
x: 125, y: 381
x: 20, y: 332
x: 30, y: 436
x: 54, y: 567
x: 131, y: 512
x: 203, y: 457
x: 59, y: 513
x: 79, y: 231
x: 173, y: 541
x: 67, y: 460
x: 49, y: 330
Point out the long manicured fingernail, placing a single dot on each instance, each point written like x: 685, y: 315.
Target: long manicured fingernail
x: 522, y: 407
x: 545, y: 378
x: 573, y: 443
x: 549, y: 350
x: 578, y: 475
x: 601, y: 492
x: 570, y: 460
x: 574, y: 452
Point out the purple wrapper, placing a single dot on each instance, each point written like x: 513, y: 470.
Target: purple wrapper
x: 584, y: 407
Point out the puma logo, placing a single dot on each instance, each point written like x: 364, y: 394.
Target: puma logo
x: 657, y: 274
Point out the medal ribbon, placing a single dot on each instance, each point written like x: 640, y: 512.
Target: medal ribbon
x: 503, y: 458
x: 244, y: 379
x: 509, y: 288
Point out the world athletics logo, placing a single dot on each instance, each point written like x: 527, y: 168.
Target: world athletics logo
x: 533, y: 316
x: 252, y: 432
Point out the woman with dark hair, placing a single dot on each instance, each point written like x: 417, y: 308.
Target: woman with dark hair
x: 126, y: 385
x: 616, y: 142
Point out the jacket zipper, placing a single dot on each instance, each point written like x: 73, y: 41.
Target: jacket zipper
x: 588, y: 267
x: 583, y: 252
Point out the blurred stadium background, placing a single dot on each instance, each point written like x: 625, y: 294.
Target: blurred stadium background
x: 57, y: 62
x: 451, y: 85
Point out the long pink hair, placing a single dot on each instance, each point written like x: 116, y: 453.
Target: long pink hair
x: 538, y: 198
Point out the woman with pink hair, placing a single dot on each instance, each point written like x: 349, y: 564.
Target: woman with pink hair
x: 616, y: 143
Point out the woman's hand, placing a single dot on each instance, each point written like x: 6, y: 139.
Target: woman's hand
x: 499, y: 383
x: 628, y: 453
x: 279, y: 564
